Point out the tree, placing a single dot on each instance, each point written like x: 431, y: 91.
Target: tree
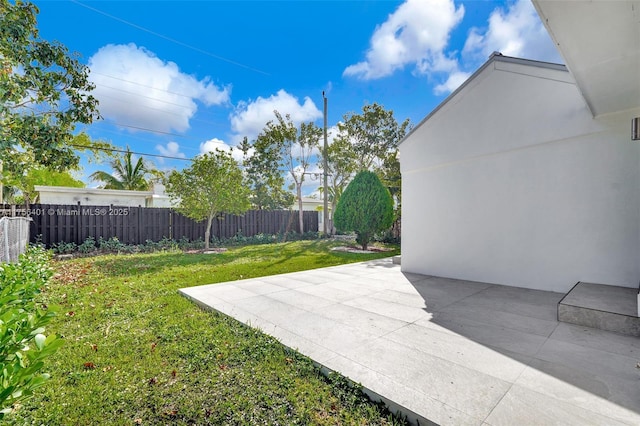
x: 281, y: 145
x: 367, y: 141
x: 389, y: 173
x: 126, y: 174
x: 267, y: 184
x: 341, y: 165
x: 44, y: 92
x: 20, y: 177
x: 366, y: 207
x: 214, y: 184
x: 374, y: 134
x: 44, y: 176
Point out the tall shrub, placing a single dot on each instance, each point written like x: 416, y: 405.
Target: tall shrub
x: 23, y: 346
x: 366, y: 207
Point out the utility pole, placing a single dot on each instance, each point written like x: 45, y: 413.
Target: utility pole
x: 325, y: 210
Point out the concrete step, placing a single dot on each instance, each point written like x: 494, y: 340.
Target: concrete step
x: 600, y: 306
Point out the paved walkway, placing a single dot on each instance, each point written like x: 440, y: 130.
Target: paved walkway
x: 441, y: 350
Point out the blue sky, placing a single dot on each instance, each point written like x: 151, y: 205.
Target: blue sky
x: 179, y: 78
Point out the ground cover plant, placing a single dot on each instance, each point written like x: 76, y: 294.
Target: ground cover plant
x: 23, y: 344
x: 136, y: 352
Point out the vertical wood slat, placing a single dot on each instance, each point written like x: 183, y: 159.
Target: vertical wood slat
x: 56, y: 223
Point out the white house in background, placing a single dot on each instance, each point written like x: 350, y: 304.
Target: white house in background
x: 103, y: 197
x: 526, y: 175
x: 310, y: 204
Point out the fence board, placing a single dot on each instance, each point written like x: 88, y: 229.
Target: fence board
x: 56, y: 223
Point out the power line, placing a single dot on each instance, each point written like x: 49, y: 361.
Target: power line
x: 148, y: 130
x: 148, y: 140
x: 139, y: 84
x: 164, y: 111
x: 188, y: 46
x: 147, y: 97
x: 124, y: 151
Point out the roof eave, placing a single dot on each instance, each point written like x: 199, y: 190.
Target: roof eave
x: 495, y: 57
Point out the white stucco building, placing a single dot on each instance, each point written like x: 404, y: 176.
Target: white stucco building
x: 103, y: 197
x: 526, y: 175
x: 310, y: 204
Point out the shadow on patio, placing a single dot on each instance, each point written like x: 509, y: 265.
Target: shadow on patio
x: 558, y: 372
x: 441, y: 350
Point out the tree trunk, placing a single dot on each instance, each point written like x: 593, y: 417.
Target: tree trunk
x: 289, y: 223
x: 300, y: 212
x: 334, y: 204
x: 207, y: 231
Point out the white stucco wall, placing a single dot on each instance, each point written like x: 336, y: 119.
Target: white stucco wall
x: 91, y: 196
x: 512, y: 181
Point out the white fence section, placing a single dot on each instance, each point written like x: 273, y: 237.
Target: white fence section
x: 14, y: 238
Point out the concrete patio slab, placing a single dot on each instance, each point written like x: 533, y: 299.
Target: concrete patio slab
x: 602, y: 306
x: 443, y: 351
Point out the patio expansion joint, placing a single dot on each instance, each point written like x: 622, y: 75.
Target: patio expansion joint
x: 393, y: 380
x: 441, y: 308
x: 527, y: 364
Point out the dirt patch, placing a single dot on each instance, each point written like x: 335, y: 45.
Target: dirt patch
x: 354, y: 249
x: 216, y: 250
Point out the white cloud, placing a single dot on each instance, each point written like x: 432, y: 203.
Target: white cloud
x: 454, y: 81
x: 312, y: 179
x: 136, y: 88
x: 417, y: 33
x: 332, y: 134
x: 514, y: 31
x: 215, y: 143
x: 171, y: 150
x: 250, y: 117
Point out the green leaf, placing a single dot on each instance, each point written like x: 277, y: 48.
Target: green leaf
x: 40, y: 341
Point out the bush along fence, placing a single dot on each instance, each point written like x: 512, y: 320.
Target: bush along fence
x: 57, y: 223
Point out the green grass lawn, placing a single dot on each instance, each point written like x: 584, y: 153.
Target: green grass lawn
x: 136, y: 352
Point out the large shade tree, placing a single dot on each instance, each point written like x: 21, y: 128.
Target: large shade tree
x: 284, y: 147
x: 366, y: 141
x: 44, y: 93
x: 214, y: 184
x: 267, y: 187
x: 374, y: 134
x: 341, y: 166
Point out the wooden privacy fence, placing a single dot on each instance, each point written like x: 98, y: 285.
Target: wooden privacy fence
x: 55, y: 223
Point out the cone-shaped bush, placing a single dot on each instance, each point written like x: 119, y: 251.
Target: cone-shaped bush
x: 365, y: 207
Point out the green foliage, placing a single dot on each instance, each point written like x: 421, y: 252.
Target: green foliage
x: 140, y: 352
x: 111, y: 245
x: 366, y: 141
x: 38, y: 175
x: 126, y: 174
x: 366, y: 207
x: 20, y: 179
x: 23, y: 346
x: 44, y: 92
x: 267, y: 184
x: 115, y: 246
x: 64, y: 248
x: 214, y: 184
x: 342, y: 165
x: 88, y: 245
x: 374, y: 134
x: 282, y: 146
x: 389, y: 173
